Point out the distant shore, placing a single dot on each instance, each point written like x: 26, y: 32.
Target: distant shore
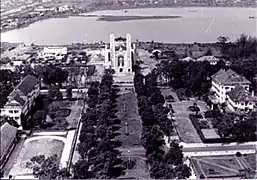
x: 127, y: 18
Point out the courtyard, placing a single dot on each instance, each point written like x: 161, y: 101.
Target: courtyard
x: 184, y: 126
x: 225, y: 166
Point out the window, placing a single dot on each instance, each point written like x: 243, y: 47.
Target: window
x: 242, y: 103
x: 226, y: 87
x: 128, y: 70
x: 10, y: 111
x: 121, y: 70
x: 16, y: 111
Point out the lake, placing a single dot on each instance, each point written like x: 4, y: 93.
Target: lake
x: 195, y: 25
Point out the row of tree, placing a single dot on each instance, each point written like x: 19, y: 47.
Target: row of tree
x: 192, y: 77
x: 155, y: 125
x: 100, y: 157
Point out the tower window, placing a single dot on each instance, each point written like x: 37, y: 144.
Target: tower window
x: 109, y: 56
x: 128, y: 70
x: 121, y: 70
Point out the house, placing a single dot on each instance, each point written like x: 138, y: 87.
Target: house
x: 54, y: 52
x: 211, y: 59
x: 21, y: 99
x: 240, y: 99
x: 224, y: 81
x: 7, y: 143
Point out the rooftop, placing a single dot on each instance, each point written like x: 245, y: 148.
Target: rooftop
x: 229, y: 77
x: 8, y: 134
x: 240, y: 94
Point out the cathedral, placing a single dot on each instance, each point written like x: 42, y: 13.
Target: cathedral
x: 119, y: 56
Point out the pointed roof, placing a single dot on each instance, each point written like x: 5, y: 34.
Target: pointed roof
x: 240, y: 94
x: 8, y: 134
x: 229, y: 77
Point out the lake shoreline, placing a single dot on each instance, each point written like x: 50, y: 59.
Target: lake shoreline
x: 114, y: 9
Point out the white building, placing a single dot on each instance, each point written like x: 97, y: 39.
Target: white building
x: 239, y: 99
x: 54, y: 52
x: 224, y: 81
x: 21, y: 99
x: 119, y: 56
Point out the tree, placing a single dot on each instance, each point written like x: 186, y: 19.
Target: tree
x: 174, y: 156
x: 44, y: 168
x: 182, y: 171
x: 69, y: 93
x: 39, y: 117
x: 54, y: 93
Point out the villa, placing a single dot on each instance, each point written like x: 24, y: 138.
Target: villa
x: 21, y: 99
x: 224, y: 81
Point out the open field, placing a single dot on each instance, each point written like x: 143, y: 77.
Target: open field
x: 185, y: 128
x: 223, y: 166
x: 47, y: 147
x: 128, y: 112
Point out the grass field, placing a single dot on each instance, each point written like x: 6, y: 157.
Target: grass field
x: 184, y: 126
x: 47, y: 147
x: 223, y: 166
x: 128, y: 112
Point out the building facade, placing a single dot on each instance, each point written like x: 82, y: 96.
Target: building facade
x: 119, y: 55
x: 54, y: 52
x: 239, y: 99
x: 224, y: 81
x: 21, y: 99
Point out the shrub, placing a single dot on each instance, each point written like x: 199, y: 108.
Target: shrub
x: 238, y: 154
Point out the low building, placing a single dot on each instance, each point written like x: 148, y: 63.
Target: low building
x: 54, y: 52
x: 7, y: 143
x: 239, y: 99
x: 224, y: 81
x: 21, y: 99
x: 211, y: 59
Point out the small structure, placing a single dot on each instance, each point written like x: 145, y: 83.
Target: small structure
x: 211, y: 59
x: 21, y: 99
x: 224, y: 81
x: 239, y: 99
x: 7, y: 143
x: 54, y: 52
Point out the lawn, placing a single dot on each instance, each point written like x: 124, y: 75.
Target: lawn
x: 184, y: 126
x: 128, y: 112
x: 47, y: 147
x: 222, y: 166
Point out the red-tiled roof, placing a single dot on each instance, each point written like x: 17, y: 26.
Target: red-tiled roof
x: 229, y: 77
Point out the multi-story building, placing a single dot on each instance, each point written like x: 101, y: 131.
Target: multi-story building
x: 21, y: 99
x: 239, y: 99
x: 224, y: 81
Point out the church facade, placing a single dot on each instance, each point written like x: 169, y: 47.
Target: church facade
x: 119, y: 56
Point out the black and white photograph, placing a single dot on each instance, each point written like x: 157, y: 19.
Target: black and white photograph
x: 128, y: 89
